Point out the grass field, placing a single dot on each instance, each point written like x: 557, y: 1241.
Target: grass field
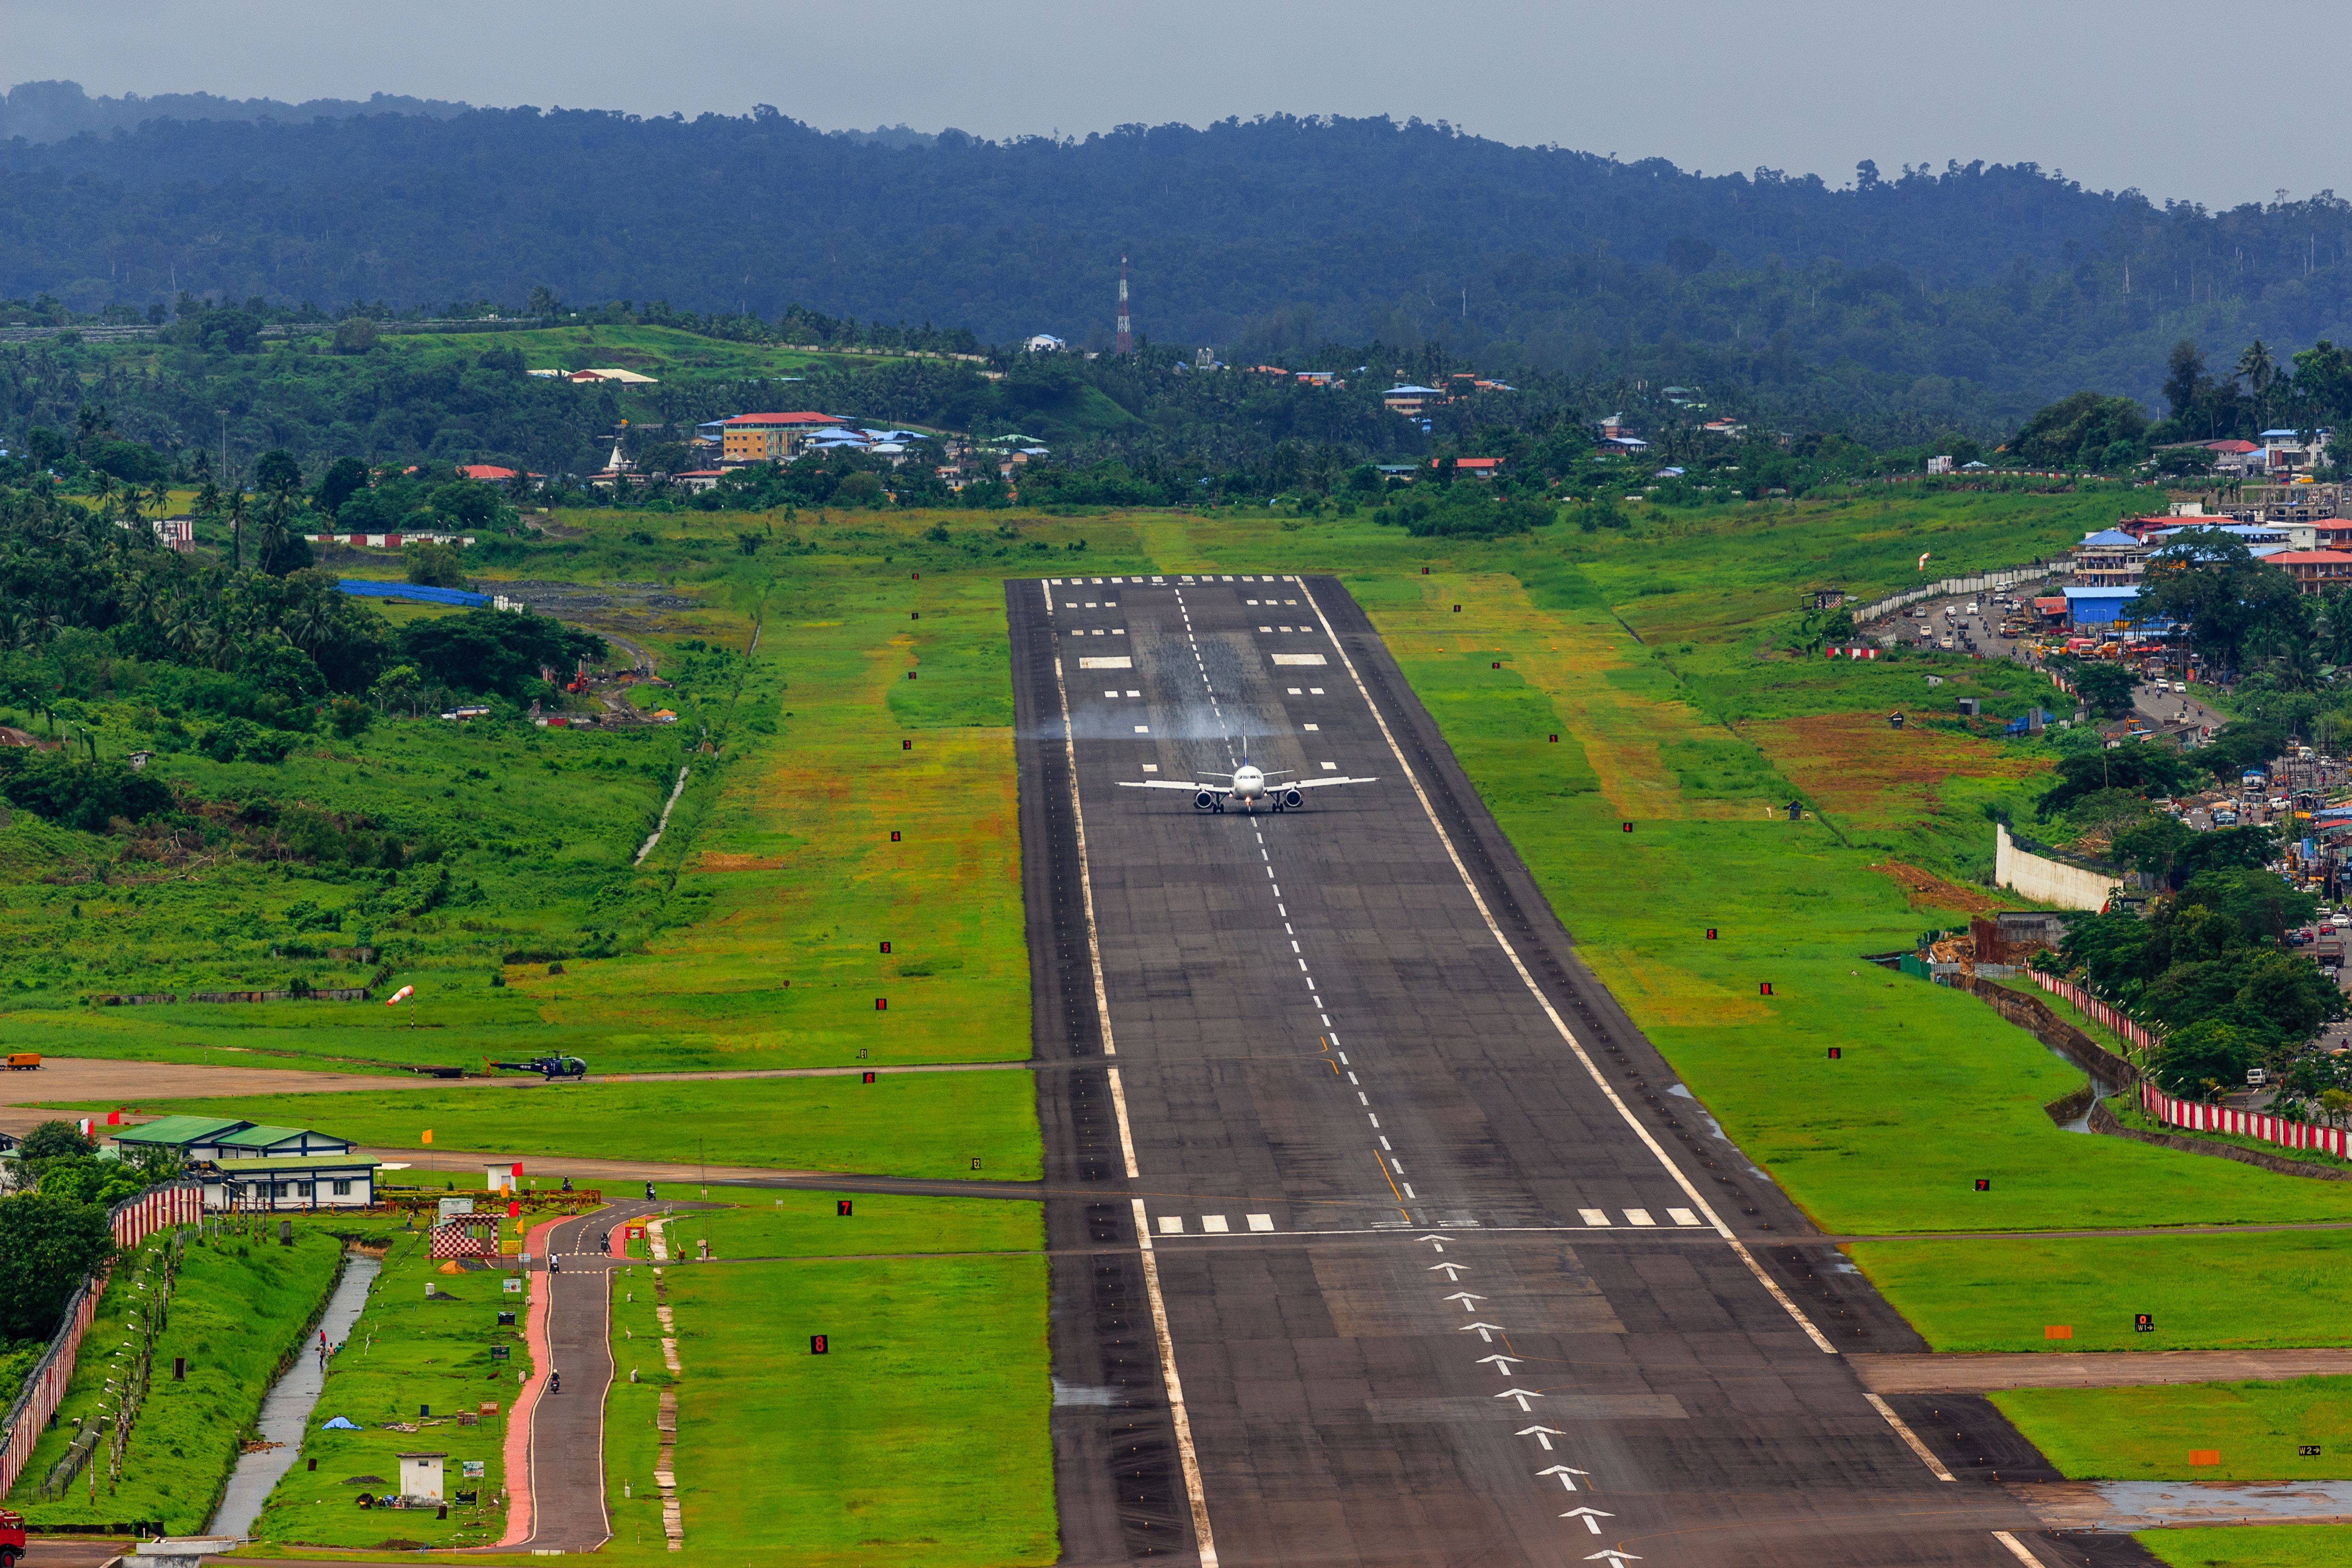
x: 2206, y: 1292
x: 407, y: 1354
x: 2147, y: 1434
x: 919, y: 1437
x: 902, y: 1124
x: 2263, y: 1546
x: 240, y: 1305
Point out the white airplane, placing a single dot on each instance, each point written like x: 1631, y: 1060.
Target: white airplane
x: 1247, y: 786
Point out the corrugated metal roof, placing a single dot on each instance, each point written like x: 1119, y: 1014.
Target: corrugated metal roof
x: 182, y: 1129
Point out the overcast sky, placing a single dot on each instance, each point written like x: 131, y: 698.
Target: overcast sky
x: 2151, y: 94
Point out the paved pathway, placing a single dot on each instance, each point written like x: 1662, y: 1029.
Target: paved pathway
x: 559, y: 1497
x: 2092, y: 1369
x: 2115, y: 1507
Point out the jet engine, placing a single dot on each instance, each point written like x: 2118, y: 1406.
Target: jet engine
x: 1203, y: 801
x: 1292, y: 797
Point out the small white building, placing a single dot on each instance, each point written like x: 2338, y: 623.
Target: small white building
x: 420, y: 1477
x: 292, y: 1184
x: 1044, y: 343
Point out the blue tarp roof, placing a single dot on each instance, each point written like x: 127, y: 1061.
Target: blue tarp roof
x: 368, y: 588
x: 2101, y: 593
x: 2109, y: 536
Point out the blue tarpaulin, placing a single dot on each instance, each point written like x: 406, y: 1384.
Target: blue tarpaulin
x: 368, y: 588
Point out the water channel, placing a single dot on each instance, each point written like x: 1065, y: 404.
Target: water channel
x: 286, y: 1409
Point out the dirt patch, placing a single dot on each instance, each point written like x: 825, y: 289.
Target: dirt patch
x: 1926, y: 889
x: 710, y: 860
x: 1856, y: 768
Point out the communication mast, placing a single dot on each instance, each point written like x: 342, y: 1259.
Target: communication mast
x: 1125, y: 337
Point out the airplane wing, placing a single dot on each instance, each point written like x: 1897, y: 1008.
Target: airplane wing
x: 1170, y: 783
x: 1326, y: 783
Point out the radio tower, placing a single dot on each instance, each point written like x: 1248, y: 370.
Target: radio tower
x: 1125, y: 337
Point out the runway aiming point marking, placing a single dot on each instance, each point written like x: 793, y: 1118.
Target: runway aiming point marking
x: 1983, y: 1185
x: 2143, y: 1322
x: 869, y: 1078
x: 881, y: 1004
x: 1837, y: 1053
x: 818, y: 1345
x: 841, y: 1206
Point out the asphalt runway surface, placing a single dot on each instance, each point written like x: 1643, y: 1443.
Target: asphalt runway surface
x: 1438, y: 1264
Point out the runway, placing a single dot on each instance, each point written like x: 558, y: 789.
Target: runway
x: 1438, y: 1263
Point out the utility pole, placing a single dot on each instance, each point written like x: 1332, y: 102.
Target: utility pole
x: 224, y: 419
x: 1125, y: 342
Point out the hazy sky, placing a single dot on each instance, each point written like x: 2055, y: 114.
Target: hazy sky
x: 2146, y: 93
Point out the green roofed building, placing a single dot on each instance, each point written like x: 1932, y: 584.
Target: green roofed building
x: 276, y: 1142
x: 290, y: 1183
x: 191, y: 1138
x: 200, y: 1140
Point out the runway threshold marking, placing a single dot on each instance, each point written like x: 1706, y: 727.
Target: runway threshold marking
x: 1181, y: 1419
x: 1494, y: 928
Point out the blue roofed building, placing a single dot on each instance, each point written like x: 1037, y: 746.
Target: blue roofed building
x: 2099, y: 607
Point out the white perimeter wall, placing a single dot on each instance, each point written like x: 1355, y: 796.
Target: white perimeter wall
x: 2044, y: 880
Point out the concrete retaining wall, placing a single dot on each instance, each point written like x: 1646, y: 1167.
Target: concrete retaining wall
x: 2046, y: 880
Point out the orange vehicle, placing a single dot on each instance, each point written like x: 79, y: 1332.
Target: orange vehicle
x: 22, y: 1061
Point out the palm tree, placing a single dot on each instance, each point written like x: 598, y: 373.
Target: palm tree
x: 2261, y: 374
x: 236, y: 530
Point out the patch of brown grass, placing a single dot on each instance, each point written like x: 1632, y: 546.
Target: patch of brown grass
x: 1925, y: 889
x: 1869, y: 775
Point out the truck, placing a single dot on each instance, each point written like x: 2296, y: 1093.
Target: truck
x: 23, y: 1061
x: 12, y: 1539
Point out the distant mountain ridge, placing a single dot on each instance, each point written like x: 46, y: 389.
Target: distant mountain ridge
x: 1967, y: 296
x: 41, y: 111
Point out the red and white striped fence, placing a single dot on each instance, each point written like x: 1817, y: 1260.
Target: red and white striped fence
x: 2194, y: 1117
x: 133, y: 1220
x: 2111, y: 1018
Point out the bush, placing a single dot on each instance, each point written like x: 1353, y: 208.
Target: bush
x: 433, y: 566
x: 85, y: 795
x: 47, y: 1244
x: 495, y: 650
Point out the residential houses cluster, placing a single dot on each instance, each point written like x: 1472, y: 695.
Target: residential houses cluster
x: 2110, y: 565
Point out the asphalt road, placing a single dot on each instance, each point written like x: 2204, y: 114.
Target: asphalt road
x: 1437, y: 1251
x: 567, y: 1429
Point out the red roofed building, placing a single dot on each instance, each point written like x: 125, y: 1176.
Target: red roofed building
x: 767, y: 437
x: 489, y: 473
x: 2314, y: 571
x: 1475, y: 467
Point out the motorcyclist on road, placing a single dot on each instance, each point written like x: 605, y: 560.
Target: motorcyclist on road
x: 554, y: 1382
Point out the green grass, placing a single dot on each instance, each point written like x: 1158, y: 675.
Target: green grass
x: 2248, y: 1546
x: 1933, y: 1090
x: 2147, y: 1434
x: 239, y: 1306
x: 906, y: 1124
x: 406, y: 1353
x: 808, y: 1225
x: 2218, y: 1291
x: 920, y: 1437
